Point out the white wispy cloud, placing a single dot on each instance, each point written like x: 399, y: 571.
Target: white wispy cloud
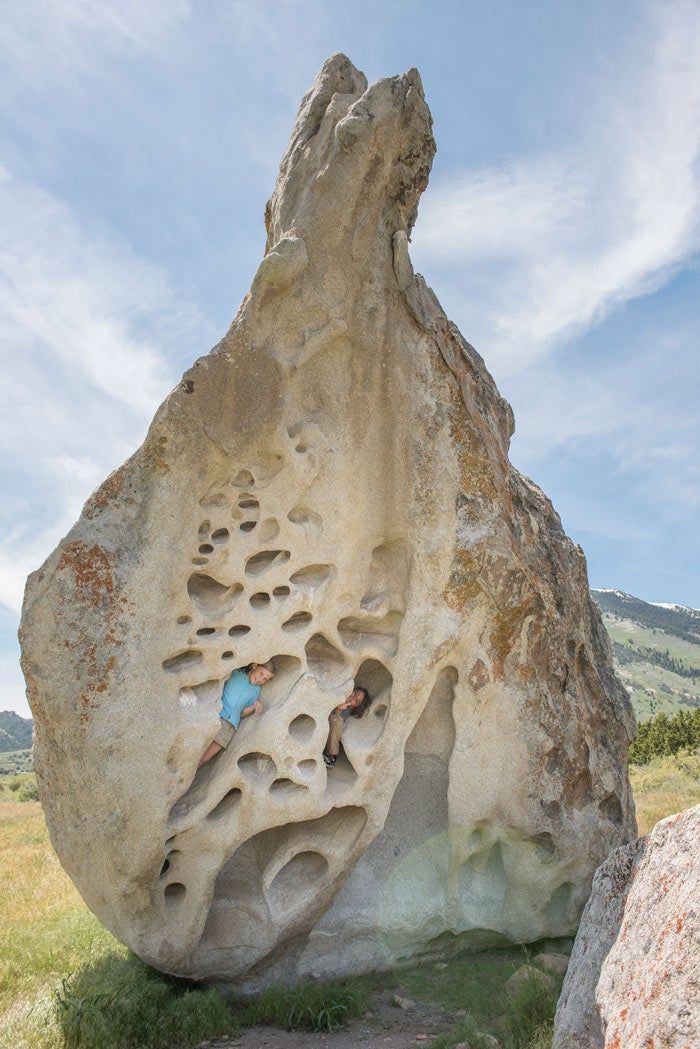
x: 48, y: 38
x: 537, y: 251
x: 90, y: 335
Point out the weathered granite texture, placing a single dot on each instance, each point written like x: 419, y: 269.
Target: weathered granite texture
x: 634, y: 976
x: 329, y: 487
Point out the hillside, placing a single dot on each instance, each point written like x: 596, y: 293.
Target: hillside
x: 656, y: 650
x: 15, y: 732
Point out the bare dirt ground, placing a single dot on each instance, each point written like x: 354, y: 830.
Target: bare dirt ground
x: 385, y: 1026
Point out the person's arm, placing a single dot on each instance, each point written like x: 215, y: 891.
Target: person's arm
x: 254, y: 708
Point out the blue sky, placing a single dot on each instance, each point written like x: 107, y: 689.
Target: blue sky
x: 139, y: 142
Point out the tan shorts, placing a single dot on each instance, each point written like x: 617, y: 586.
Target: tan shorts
x: 225, y: 734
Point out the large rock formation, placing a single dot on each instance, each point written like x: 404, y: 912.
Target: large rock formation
x: 329, y: 487
x: 634, y: 976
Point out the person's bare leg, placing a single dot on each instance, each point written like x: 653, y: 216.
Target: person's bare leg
x: 209, y: 753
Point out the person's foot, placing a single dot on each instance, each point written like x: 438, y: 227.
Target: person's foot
x: 329, y: 759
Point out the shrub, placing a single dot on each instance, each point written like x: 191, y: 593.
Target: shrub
x: 662, y: 736
x: 121, y: 1003
x: 309, y: 1006
x: 529, y: 1013
x: 28, y: 792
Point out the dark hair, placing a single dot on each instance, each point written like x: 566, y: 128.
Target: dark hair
x: 359, y: 710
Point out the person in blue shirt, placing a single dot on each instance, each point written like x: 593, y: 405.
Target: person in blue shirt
x: 238, y: 700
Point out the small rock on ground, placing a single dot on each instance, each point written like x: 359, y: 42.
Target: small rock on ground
x: 525, y: 973
x: 556, y: 963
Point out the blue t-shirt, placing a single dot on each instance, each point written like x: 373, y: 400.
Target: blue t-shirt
x: 238, y: 694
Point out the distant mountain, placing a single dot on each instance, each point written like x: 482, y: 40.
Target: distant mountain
x: 656, y: 651
x: 15, y: 732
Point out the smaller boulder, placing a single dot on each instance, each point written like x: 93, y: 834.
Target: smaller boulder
x: 403, y: 1003
x: 634, y: 973
x: 523, y: 975
x: 554, y: 963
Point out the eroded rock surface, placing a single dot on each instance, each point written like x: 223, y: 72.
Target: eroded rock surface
x: 329, y: 487
x: 634, y: 976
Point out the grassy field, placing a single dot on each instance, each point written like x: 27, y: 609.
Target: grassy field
x: 66, y: 983
x: 654, y: 688
x: 664, y: 786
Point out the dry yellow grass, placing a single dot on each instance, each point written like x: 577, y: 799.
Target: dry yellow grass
x: 665, y: 786
x: 47, y: 932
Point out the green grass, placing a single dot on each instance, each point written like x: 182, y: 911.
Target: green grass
x: 474, y: 984
x: 120, y: 1002
x: 309, y: 1006
x: 66, y: 982
x: 14, y: 761
x: 21, y: 787
x: 669, y: 691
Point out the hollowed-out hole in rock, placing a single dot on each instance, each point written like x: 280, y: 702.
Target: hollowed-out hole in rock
x: 310, y: 578
x: 301, y: 448
x: 182, y: 661
x: 204, y: 528
x: 199, y: 562
x: 267, y: 468
x: 306, y: 519
x: 286, y: 787
x: 297, y: 878
x: 220, y: 535
x: 259, y: 600
x: 243, y: 479
x: 248, y: 502
x: 218, y: 501
x: 227, y: 655
x: 365, y: 731
x: 561, y: 915
x: 174, y: 892
x: 211, y: 597
x: 375, y: 677
x: 545, y: 842
x: 257, y: 766
x: 206, y: 631
x: 299, y: 621
x: 288, y: 670
x: 269, y: 530
x: 206, y: 548
x: 388, y: 578
x: 281, y: 591
x: 307, y: 767
x: 611, y: 808
x: 226, y: 806
x: 302, y: 728
x: 358, y: 632
x: 167, y: 863
x: 253, y: 868
x: 341, y: 776
x: 239, y: 630
x: 199, y: 790
x: 327, y: 663
x: 264, y: 560
x: 182, y: 620
x: 248, y: 526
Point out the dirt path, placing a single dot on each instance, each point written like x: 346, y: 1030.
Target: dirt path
x: 385, y: 1026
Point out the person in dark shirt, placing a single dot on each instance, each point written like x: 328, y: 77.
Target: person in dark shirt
x: 354, y: 707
